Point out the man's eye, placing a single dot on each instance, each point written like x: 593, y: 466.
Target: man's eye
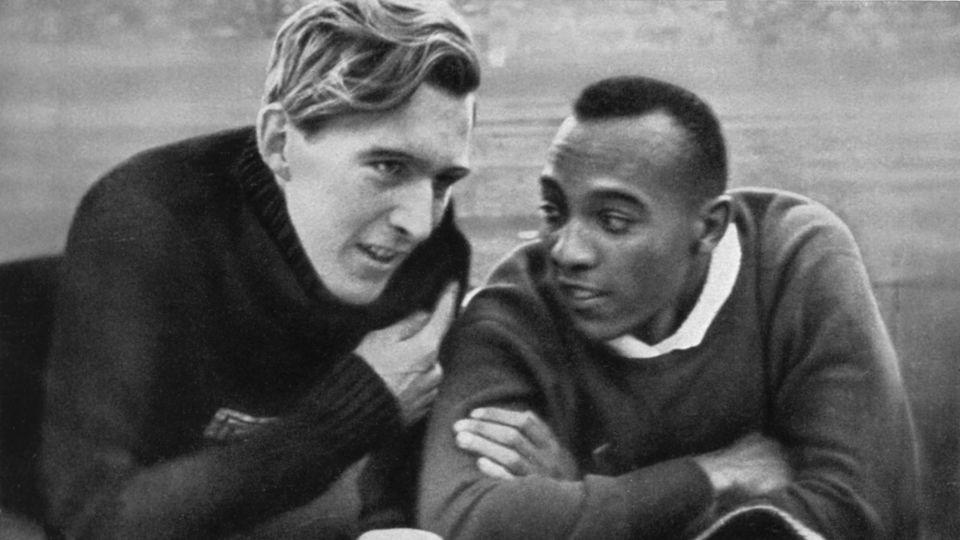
x: 551, y: 215
x: 440, y: 193
x: 390, y: 167
x: 443, y: 184
x: 614, y: 222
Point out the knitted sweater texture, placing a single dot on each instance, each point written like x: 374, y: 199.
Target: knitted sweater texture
x: 798, y: 352
x: 185, y: 291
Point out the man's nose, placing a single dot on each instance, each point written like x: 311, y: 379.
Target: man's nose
x: 413, y: 210
x: 571, y: 249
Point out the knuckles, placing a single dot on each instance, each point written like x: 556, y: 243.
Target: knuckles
x: 514, y: 463
x: 528, y: 421
x: 514, y: 438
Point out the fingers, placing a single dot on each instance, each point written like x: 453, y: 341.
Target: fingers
x: 501, y: 434
x: 379, y: 343
x: 493, y: 469
x: 507, y: 443
x: 506, y: 457
x: 432, y: 375
x: 535, y: 429
x: 754, y: 464
x: 412, y: 324
x: 443, y: 313
x: 420, y: 406
x: 419, y: 382
x: 420, y: 393
x: 417, y: 335
x: 751, y: 440
x: 418, y: 390
x: 404, y: 354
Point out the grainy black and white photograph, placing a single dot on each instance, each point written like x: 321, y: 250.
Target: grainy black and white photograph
x: 479, y: 269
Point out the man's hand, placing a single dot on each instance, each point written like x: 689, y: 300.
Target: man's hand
x: 752, y: 466
x: 405, y: 355
x: 512, y: 443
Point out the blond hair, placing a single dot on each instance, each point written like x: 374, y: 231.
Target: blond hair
x: 340, y: 56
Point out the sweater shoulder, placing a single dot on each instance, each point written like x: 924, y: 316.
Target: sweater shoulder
x: 184, y: 176
x: 515, y: 296
x: 781, y: 207
x: 781, y: 225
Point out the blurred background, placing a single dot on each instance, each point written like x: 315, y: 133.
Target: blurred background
x: 856, y: 104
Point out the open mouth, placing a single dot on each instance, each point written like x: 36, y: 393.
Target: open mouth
x: 578, y: 292
x: 380, y: 254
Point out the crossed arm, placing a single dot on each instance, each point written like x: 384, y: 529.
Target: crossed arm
x: 510, y: 444
x: 493, y: 468
x: 836, y: 407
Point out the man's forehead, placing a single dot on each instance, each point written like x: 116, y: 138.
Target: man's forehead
x: 617, y: 144
x: 433, y: 125
x: 427, y: 108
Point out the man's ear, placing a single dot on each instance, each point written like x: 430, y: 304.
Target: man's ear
x: 272, y: 126
x: 714, y: 216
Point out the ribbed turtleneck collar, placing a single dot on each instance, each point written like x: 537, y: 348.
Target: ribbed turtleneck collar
x: 268, y: 203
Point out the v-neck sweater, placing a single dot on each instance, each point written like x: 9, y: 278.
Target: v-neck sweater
x: 798, y: 352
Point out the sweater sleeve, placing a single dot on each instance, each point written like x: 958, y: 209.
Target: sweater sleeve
x: 482, y: 362
x: 839, y: 405
x: 106, y: 472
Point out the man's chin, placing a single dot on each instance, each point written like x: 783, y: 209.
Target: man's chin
x: 359, y: 296
x: 597, y: 329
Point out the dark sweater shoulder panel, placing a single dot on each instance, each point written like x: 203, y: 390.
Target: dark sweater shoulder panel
x: 783, y: 223
x: 186, y: 291
x: 515, y: 283
x: 798, y: 350
x: 517, y: 302
x: 189, y: 178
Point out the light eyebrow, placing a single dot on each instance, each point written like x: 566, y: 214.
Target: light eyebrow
x: 388, y: 153
x: 455, y: 173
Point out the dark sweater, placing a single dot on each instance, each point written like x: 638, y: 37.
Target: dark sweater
x: 185, y: 291
x: 798, y: 351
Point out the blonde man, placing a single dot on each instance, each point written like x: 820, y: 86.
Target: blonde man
x: 245, y: 314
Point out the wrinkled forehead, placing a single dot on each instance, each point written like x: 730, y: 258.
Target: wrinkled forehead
x: 622, y: 147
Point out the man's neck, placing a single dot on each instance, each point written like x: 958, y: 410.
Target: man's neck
x: 695, y: 312
x: 663, y: 324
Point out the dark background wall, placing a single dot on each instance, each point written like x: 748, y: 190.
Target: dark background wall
x: 852, y: 103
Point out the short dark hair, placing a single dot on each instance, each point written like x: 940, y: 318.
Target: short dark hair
x: 619, y: 97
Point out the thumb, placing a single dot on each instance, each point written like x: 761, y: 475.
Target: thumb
x: 412, y: 324
x: 444, y: 312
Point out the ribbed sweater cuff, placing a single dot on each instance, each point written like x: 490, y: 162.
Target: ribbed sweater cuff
x: 669, y: 496
x: 355, y: 405
x: 349, y: 413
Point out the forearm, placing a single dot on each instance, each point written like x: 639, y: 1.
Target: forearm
x: 838, y: 458
x: 488, y: 364
x: 839, y: 406
x: 855, y: 470
x: 654, y: 502
x: 99, y: 492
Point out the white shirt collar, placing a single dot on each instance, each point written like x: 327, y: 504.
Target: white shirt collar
x: 721, y: 277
